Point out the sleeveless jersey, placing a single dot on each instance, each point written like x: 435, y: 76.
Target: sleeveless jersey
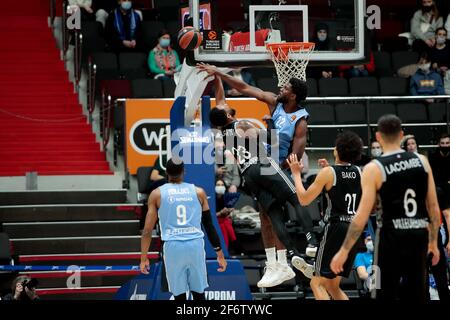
x: 246, y: 151
x: 180, y: 213
x: 345, y: 194
x: 285, y: 124
x: 403, y: 192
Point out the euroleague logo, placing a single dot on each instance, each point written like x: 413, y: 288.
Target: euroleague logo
x: 212, y: 35
x: 145, y: 135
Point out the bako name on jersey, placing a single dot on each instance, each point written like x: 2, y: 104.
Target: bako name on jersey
x: 403, y: 166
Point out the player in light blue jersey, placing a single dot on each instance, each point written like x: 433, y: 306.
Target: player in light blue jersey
x: 181, y: 208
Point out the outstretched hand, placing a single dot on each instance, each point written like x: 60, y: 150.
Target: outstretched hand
x: 209, y: 69
x: 295, y: 165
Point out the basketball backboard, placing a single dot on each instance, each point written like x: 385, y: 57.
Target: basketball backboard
x: 256, y: 22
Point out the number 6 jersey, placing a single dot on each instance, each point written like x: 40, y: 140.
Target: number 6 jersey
x: 403, y: 192
x: 180, y: 212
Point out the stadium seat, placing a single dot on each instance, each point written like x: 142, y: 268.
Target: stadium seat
x: 367, y: 86
x: 107, y: 66
x: 320, y: 113
x: 169, y: 88
x: 133, y: 65
x: 390, y: 86
x: 376, y: 110
x: 116, y: 88
x: 150, y: 31
x: 436, y: 112
x: 312, y: 87
x: 173, y: 27
x: 260, y: 73
x: 347, y: 113
x: 412, y: 112
x: 321, y: 137
x: 92, y: 39
x: 146, y: 88
x: 268, y: 84
x: 403, y: 58
x: 333, y: 87
x: 383, y: 64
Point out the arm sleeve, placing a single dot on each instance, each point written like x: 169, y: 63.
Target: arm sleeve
x: 412, y: 87
x: 440, y: 86
x: 152, y: 64
x: 210, y: 230
x: 415, y: 27
x: 358, y: 261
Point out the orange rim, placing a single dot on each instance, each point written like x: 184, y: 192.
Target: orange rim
x: 286, y: 46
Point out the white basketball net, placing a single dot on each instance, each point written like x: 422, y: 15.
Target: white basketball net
x: 292, y: 62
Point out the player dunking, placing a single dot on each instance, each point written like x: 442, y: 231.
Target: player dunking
x: 409, y: 222
x: 342, y: 183
x: 289, y: 119
x: 181, y: 208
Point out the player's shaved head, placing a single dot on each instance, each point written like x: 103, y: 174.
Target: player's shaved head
x: 390, y: 128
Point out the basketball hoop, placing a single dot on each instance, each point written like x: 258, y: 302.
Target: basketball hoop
x: 290, y: 59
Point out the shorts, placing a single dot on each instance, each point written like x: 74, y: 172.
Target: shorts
x: 269, y: 183
x: 185, y: 263
x: 401, y: 257
x: 333, y: 238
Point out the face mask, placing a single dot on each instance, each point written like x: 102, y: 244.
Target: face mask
x: 376, y: 153
x: 164, y: 43
x: 322, y: 37
x: 220, y: 189
x: 126, y: 5
x: 427, y: 8
x: 444, y: 150
x: 425, y: 67
x: 369, y: 246
x: 440, y: 40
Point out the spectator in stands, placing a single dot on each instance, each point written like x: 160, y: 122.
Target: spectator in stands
x: 440, y: 53
x: 223, y: 214
x: 243, y: 75
x: 426, y: 81
x: 123, y: 28
x: 23, y: 288
x: 360, y: 70
x: 364, y: 260
x: 158, y: 176
x: 440, y: 162
x: 375, y: 149
x: 424, y: 24
x: 322, y: 43
x: 163, y: 61
x: 409, y: 143
x: 103, y: 8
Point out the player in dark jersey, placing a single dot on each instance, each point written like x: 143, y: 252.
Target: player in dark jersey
x: 409, y: 220
x: 342, y: 183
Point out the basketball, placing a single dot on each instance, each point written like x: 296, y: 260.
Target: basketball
x: 189, y: 38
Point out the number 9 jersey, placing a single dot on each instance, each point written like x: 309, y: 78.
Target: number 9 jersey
x: 403, y: 192
x: 180, y: 213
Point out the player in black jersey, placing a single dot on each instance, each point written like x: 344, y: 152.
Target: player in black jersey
x: 409, y: 220
x: 342, y: 183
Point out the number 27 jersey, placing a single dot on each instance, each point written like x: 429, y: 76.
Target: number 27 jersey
x: 403, y: 192
x: 180, y: 212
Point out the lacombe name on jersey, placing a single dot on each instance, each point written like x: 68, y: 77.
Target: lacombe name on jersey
x: 403, y: 165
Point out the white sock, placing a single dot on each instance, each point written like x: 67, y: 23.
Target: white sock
x: 281, y: 254
x: 271, y: 255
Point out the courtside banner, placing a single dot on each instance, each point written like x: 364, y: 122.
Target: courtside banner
x: 146, y: 121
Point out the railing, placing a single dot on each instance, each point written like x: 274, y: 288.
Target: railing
x: 77, y: 57
x: 64, y: 30
x: 52, y: 14
x: 369, y: 124
x: 92, y: 73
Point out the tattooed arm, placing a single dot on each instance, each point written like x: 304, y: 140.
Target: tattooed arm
x: 370, y: 183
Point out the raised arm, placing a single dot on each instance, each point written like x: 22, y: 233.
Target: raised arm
x: 210, y: 230
x: 433, y: 213
x: 268, y: 97
x: 370, y: 182
x: 324, y: 177
x: 299, y: 141
x: 219, y: 92
x: 150, y: 221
